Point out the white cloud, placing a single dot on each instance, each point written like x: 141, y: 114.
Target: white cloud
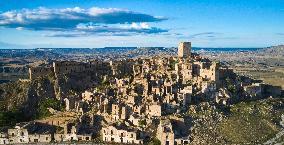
x: 86, y: 29
x: 19, y: 28
x: 67, y: 19
x: 94, y: 11
x: 140, y: 26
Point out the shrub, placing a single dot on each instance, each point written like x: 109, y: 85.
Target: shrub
x: 48, y: 103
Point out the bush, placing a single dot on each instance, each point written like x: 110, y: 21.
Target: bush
x: 48, y: 103
x: 155, y: 141
x: 142, y: 122
x: 10, y: 118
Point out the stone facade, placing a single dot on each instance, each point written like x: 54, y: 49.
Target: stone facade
x: 18, y: 135
x: 154, y: 110
x: 169, y: 134
x: 184, y: 49
x: 4, y: 138
x: 114, y: 134
x: 165, y: 133
x: 35, y: 72
x: 42, y: 138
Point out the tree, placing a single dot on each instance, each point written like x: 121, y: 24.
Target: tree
x: 155, y: 141
x: 48, y: 103
x: 10, y: 118
x: 142, y: 122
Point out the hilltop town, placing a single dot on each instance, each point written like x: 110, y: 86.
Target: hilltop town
x: 162, y: 99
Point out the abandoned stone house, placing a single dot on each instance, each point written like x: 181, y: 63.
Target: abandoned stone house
x: 253, y: 91
x: 121, y: 135
x: 88, y: 96
x: 134, y: 119
x: 72, y: 133
x: 20, y: 134
x: 154, y: 110
x: 42, y: 138
x: 261, y: 90
x: 170, y: 133
x: 4, y: 138
x: 120, y: 111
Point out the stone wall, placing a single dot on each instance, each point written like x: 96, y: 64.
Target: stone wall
x: 35, y: 72
x: 184, y: 49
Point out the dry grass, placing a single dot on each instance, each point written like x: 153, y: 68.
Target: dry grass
x: 273, y: 76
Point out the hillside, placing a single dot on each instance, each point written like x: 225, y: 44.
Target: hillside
x: 273, y: 51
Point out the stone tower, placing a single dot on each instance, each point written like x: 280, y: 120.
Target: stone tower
x: 184, y: 49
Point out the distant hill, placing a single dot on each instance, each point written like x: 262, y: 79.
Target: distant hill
x: 273, y: 50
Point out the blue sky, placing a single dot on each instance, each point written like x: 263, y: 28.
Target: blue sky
x: 100, y: 23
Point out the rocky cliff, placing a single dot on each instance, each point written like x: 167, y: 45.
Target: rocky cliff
x: 25, y: 96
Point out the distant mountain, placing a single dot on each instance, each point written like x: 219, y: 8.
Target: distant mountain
x: 274, y: 50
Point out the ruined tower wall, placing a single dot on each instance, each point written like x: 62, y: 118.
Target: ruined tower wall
x: 184, y: 49
x: 35, y: 72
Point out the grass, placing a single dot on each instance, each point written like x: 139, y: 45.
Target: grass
x: 247, y: 129
x: 252, y: 122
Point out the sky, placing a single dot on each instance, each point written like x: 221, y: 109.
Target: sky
x: 141, y: 23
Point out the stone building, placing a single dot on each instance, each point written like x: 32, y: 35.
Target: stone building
x: 18, y: 135
x: 184, y: 49
x: 72, y: 133
x: 185, y: 95
x: 172, y: 132
x: 223, y: 96
x: 186, y: 71
x: 115, y: 111
x: 59, y: 137
x: 42, y: 138
x: 121, y: 135
x: 4, y: 138
x: 35, y: 72
x: 207, y: 70
x: 254, y: 91
x: 154, y: 110
x: 87, y: 96
x: 165, y: 133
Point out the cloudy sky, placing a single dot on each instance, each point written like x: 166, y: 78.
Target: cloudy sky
x: 101, y: 23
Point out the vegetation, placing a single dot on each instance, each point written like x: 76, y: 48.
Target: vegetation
x: 172, y: 64
x: 231, y: 87
x: 13, y: 94
x: 48, y: 103
x: 252, y: 122
x: 51, y: 77
x: 142, y: 122
x: 103, y: 85
x: 10, y: 118
x: 154, y: 141
x: 273, y: 76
